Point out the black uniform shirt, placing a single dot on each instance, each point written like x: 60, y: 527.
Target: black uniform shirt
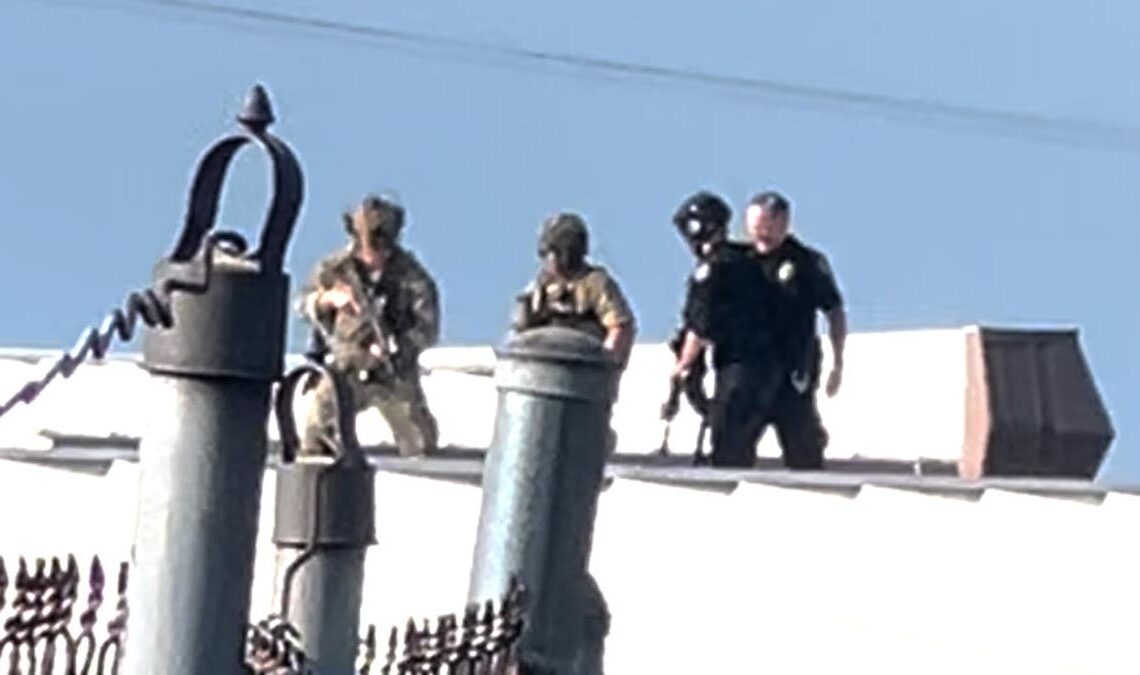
x: 732, y: 303
x: 805, y: 285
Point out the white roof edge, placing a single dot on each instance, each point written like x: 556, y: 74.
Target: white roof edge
x: 684, y: 476
x: 1042, y: 327
x: 444, y: 354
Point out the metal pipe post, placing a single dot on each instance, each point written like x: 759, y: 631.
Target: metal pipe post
x: 203, y: 455
x: 541, y: 482
x: 324, y: 523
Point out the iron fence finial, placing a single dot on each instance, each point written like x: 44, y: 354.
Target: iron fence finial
x: 257, y: 113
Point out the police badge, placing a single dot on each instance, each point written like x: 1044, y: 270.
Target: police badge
x: 786, y: 271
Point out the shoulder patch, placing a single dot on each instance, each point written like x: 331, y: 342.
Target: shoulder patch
x: 824, y: 266
x: 701, y: 273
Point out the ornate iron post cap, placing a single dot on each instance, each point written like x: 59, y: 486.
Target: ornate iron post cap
x: 234, y: 324
x: 257, y: 113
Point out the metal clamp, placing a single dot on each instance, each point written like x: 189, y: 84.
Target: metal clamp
x: 343, y: 445
x: 237, y: 327
x: 323, y: 500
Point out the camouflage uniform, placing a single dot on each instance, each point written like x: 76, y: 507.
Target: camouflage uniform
x: 589, y: 301
x: 403, y: 303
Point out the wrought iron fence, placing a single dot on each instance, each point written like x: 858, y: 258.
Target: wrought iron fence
x: 273, y: 647
x: 41, y: 633
x: 484, y: 641
x: 44, y: 633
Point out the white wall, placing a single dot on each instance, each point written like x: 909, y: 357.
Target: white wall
x: 763, y: 579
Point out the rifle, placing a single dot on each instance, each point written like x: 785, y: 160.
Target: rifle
x: 692, y: 385
x: 368, y: 331
x: 668, y: 411
x: 523, y: 313
x: 318, y: 347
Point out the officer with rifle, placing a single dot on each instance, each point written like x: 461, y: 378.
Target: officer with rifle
x: 374, y: 308
x: 702, y: 220
x: 756, y: 307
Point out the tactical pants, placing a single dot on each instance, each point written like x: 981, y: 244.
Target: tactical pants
x: 751, y: 396
x: 799, y: 427
x: 400, y: 401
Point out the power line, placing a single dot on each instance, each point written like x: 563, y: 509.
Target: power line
x: 1052, y: 129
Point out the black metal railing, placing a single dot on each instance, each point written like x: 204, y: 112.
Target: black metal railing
x: 483, y: 641
x: 42, y: 632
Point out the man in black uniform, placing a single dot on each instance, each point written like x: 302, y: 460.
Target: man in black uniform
x: 806, y: 285
x: 731, y: 308
x: 702, y: 220
x: 758, y: 309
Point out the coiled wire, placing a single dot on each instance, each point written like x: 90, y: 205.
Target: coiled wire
x: 151, y: 306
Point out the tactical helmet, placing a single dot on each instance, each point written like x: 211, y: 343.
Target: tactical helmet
x: 377, y: 217
x: 701, y: 216
x: 564, y: 233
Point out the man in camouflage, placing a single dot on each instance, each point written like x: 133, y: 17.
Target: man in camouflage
x: 571, y: 292
x: 374, y: 309
x: 568, y: 291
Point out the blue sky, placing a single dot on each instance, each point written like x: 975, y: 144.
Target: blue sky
x: 106, y: 105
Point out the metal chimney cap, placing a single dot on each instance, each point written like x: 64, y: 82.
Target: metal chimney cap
x: 558, y: 344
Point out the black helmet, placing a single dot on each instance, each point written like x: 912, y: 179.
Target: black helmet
x: 564, y: 233
x: 377, y: 216
x: 701, y: 216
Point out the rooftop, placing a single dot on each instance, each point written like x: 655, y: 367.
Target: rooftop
x: 889, y: 556
x: 931, y: 403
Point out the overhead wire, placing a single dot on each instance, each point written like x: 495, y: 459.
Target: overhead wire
x: 1036, y: 126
